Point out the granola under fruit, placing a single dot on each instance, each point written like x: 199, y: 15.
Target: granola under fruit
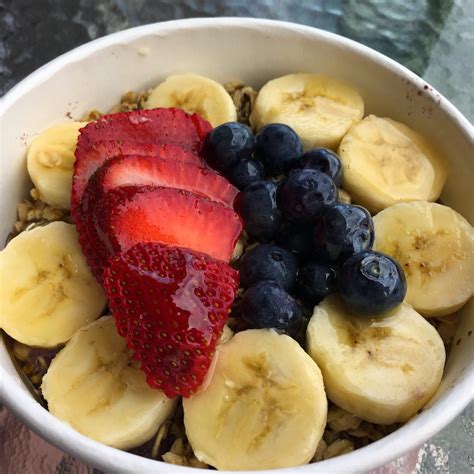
x: 164, y: 204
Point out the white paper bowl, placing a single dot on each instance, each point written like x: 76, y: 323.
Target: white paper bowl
x: 96, y: 74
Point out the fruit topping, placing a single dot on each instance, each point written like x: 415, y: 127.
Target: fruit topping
x: 132, y: 214
x: 371, y: 283
x: 194, y: 93
x: 141, y: 127
x: 325, y: 161
x: 382, y: 370
x: 264, y: 408
x: 139, y: 171
x: 47, y: 291
x: 320, y: 109
x: 258, y: 208
x: 315, y: 281
x: 94, y: 386
x: 171, y: 305
x: 227, y: 145
x: 50, y: 161
x: 342, y: 231
x: 303, y: 195
x: 267, y: 305
x: 245, y: 172
x: 148, y: 126
x: 89, y: 160
x: 297, y: 239
x: 148, y: 170
x: 385, y: 163
x: 268, y: 262
x: 435, y: 247
x: 278, y: 148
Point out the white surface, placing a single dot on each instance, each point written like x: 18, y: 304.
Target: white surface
x: 95, y: 75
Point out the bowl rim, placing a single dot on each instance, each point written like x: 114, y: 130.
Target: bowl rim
x: 415, y: 433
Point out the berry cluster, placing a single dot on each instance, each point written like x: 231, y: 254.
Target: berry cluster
x: 307, y: 244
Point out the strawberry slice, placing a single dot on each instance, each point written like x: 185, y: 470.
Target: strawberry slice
x: 145, y: 170
x: 148, y: 126
x: 128, y: 215
x: 90, y: 159
x: 171, y: 305
x: 156, y: 126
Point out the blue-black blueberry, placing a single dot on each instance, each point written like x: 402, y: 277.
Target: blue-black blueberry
x: 268, y: 262
x: 257, y: 206
x: 267, y: 305
x: 324, y: 160
x: 227, y: 144
x: 371, y: 283
x: 342, y: 230
x: 315, y: 281
x: 278, y: 147
x: 304, y: 194
x: 245, y: 172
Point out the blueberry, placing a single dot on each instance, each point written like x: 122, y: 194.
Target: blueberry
x: 371, y: 283
x: 324, y: 160
x: 278, y: 148
x: 246, y: 171
x: 267, y: 305
x: 303, y: 195
x: 268, y: 262
x: 315, y: 281
x: 257, y: 206
x: 227, y: 144
x: 296, y: 239
x: 343, y: 230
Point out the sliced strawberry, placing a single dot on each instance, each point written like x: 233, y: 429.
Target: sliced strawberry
x: 145, y: 170
x: 90, y: 159
x: 171, y: 305
x: 148, y: 126
x: 128, y: 215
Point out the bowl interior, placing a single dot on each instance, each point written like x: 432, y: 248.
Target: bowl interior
x: 254, y: 51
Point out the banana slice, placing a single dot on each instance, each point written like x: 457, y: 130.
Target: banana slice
x: 94, y: 386
x: 265, y: 405
x: 47, y: 291
x: 385, y: 162
x: 50, y: 160
x: 194, y: 93
x: 435, y: 246
x: 320, y: 109
x: 383, y: 370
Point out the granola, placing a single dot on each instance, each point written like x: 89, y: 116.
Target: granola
x: 244, y: 99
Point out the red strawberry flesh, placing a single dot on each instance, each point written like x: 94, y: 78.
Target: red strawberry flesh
x: 128, y: 215
x: 148, y: 126
x: 146, y: 170
x: 171, y: 305
x: 90, y: 159
x: 143, y: 170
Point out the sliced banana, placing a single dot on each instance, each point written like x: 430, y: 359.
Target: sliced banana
x: 385, y: 162
x: 47, y: 291
x: 194, y: 93
x: 265, y: 405
x: 50, y: 161
x: 319, y: 108
x: 94, y: 386
x: 383, y: 370
x: 435, y: 246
